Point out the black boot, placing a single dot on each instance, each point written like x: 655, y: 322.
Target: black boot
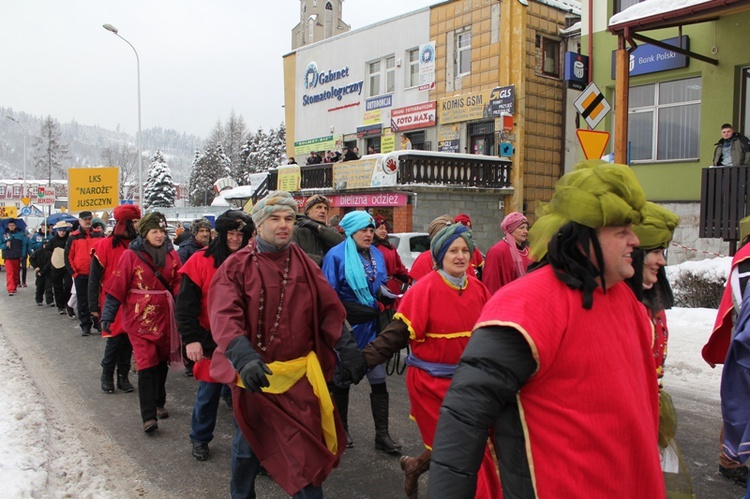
x: 383, y: 440
x: 108, y: 385
x: 147, y: 393
x: 123, y: 383
x: 340, y: 397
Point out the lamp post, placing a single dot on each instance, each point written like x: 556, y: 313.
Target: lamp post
x: 11, y: 118
x: 111, y: 28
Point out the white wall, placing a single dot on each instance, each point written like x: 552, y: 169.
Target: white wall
x: 354, y: 50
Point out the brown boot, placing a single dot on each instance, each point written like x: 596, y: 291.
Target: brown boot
x: 413, y: 467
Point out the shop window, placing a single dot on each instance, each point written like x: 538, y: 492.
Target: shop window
x: 417, y: 140
x: 463, y: 53
x: 550, y: 57
x: 412, y: 74
x: 664, y: 121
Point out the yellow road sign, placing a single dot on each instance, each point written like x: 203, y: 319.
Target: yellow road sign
x: 593, y: 142
x: 592, y: 105
x: 25, y: 201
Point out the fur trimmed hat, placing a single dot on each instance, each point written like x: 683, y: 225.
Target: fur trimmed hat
x: 315, y: 199
x: 235, y: 220
x: 198, y: 224
x: 127, y: 212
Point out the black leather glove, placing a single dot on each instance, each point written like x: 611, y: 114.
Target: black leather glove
x: 248, y: 363
x: 105, y: 326
x: 309, y: 224
x: 352, y: 366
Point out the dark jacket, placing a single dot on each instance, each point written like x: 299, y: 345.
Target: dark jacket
x: 740, y: 151
x: 41, y: 260
x: 14, y: 244
x: 36, y: 239
x: 187, y: 249
x: 315, y: 238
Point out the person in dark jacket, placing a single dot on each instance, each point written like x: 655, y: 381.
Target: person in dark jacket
x: 14, y: 246
x: 311, y: 232
x: 40, y: 261
x: 78, y: 263
x: 201, y: 236
x: 733, y: 149
x: 234, y: 229
x: 559, y: 368
x: 62, y: 282
x: 104, y: 263
x: 34, y: 244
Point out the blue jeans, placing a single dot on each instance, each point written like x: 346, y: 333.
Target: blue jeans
x: 206, y: 406
x: 245, y: 467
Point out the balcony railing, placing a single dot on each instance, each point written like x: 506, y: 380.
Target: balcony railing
x: 460, y: 170
x: 725, y: 200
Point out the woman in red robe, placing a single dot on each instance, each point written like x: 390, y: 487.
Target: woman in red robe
x: 398, y: 275
x: 145, y: 284
x: 508, y: 259
x: 436, y: 317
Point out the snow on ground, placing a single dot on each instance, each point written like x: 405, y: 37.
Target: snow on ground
x: 39, y: 451
x: 41, y: 456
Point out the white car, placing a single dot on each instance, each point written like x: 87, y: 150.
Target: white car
x: 409, y: 245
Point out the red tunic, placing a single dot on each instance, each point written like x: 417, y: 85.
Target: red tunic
x: 393, y: 267
x: 201, y: 271
x: 423, y: 265
x: 147, y: 317
x: 108, y: 258
x: 499, y: 267
x: 594, y: 396
x: 439, y: 334
x: 661, y: 337
x: 283, y: 430
x: 715, y: 351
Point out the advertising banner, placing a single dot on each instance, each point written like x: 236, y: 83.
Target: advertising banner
x: 422, y: 115
x: 468, y: 107
x: 289, y: 178
x: 427, y: 66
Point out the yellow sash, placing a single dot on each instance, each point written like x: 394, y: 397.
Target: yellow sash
x: 287, y: 373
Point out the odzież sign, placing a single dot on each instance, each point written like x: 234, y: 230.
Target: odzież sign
x: 93, y: 188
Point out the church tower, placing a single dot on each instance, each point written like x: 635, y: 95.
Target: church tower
x: 318, y: 20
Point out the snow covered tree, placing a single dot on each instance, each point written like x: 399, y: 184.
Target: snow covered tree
x: 235, y: 132
x: 159, y: 191
x: 263, y: 151
x: 208, y: 167
x: 49, y: 150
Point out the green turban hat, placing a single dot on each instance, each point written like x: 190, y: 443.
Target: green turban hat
x: 596, y: 194
x: 656, y: 228
x: 153, y: 220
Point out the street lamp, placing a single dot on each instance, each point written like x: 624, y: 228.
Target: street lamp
x: 11, y: 118
x: 111, y: 28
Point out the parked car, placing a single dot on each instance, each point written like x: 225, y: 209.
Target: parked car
x: 409, y: 245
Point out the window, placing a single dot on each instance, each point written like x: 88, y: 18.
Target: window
x: 664, y: 121
x: 412, y: 74
x: 621, y: 5
x: 374, y: 78
x: 379, y: 73
x: 17, y: 191
x: 463, y: 53
x: 2, y: 191
x: 390, y: 74
x: 550, y: 57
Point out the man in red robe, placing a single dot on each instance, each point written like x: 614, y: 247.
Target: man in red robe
x: 559, y: 365
x: 278, y: 326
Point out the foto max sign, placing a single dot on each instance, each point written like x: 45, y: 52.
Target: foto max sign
x: 93, y: 188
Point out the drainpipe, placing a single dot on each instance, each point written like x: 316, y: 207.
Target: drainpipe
x: 591, y: 40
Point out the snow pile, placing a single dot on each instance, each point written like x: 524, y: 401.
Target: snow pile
x: 712, y: 269
x: 649, y: 8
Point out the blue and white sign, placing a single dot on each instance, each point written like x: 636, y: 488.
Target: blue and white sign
x: 576, y: 70
x: 506, y: 149
x: 651, y: 59
x: 25, y: 211
x: 379, y: 102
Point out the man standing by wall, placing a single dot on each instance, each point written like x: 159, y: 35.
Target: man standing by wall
x: 78, y: 263
x: 733, y: 149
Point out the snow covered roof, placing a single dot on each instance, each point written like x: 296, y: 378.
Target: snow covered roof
x: 220, y: 201
x: 573, y: 29
x: 241, y: 192
x: 658, y: 13
x: 572, y: 6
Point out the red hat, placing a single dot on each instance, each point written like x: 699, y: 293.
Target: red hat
x: 463, y: 218
x: 127, y: 212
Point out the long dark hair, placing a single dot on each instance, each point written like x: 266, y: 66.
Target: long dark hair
x: 569, y: 255
x: 124, y: 240
x: 660, y: 296
x: 229, y: 220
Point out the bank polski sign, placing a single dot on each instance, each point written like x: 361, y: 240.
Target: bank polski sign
x: 328, y: 84
x: 649, y: 58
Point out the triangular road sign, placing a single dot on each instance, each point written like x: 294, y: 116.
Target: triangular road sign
x: 593, y: 142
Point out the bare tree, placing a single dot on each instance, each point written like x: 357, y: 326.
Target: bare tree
x: 125, y: 156
x: 49, y: 151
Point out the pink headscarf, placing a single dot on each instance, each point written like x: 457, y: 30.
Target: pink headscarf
x: 511, y: 222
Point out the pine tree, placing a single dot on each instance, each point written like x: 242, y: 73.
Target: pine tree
x: 235, y: 133
x: 208, y: 167
x: 159, y: 191
x: 268, y: 150
x: 49, y: 150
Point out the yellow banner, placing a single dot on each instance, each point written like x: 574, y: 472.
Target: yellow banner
x: 467, y: 107
x: 372, y: 117
x: 93, y: 189
x: 289, y: 178
x: 353, y: 174
x: 387, y: 142
x: 8, y: 212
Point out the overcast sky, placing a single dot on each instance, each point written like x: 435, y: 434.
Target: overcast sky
x: 199, y: 59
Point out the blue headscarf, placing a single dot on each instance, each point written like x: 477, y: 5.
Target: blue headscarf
x: 354, y: 271
x: 445, y: 237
